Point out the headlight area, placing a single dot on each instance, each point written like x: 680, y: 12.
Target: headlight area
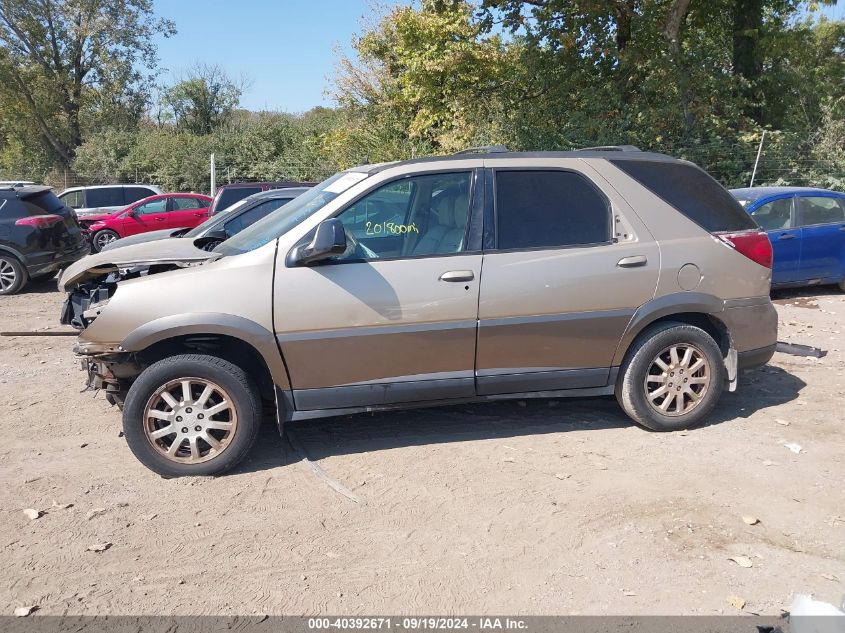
x: 111, y: 372
x: 85, y: 302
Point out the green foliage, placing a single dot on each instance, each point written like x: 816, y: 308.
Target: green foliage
x: 203, y: 101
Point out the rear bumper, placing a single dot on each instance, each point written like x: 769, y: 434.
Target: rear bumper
x: 49, y: 262
x: 755, y: 357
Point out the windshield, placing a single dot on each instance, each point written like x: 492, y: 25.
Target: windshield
x: 294, y: 212
x: 198, y: 230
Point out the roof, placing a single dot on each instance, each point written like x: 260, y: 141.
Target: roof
x: 756, y: 193
x: 114, y: 184
x: 279, y: 192
x: 606, y: 154
x: 24, y: 192
x: 264, y: 183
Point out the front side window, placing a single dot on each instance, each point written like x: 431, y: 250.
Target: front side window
x: 774, y: 215
x: 105, y: 197
x: 422, y: 215
x: 821, y: 210
x: 250, y: 217
x: 547, y: 209
x: 153, y: 206
x: 74, y: 199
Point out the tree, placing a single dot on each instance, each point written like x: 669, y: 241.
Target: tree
x: 202, y: 100
x: 64, y: 60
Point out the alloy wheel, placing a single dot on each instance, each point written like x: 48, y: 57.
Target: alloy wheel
x: 677, y: 380
x: 104, y: 238
x: 8, y: 275
x: 190, y: 420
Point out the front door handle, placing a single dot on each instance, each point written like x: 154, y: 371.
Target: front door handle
x: 787, y: 236
x: 457, y: 275
x: 632, y: 262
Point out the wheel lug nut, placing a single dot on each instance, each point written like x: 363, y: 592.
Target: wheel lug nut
x: 184, y: 429
x: 188, y: 410
x: 200, y: 416
x: 178, y: 418
x: 197, y: 428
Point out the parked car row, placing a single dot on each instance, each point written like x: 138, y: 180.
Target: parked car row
x: 41, y: 233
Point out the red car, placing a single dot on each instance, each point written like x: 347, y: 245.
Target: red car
x: 166, y: 211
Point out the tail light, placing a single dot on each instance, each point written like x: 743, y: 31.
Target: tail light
x: 40, y: 221
x: 755, y: 245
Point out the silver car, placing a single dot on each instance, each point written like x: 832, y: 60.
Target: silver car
x: 98, y: 199
x: 463, y: 278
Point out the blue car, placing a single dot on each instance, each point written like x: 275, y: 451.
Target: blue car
x: 807, y: 229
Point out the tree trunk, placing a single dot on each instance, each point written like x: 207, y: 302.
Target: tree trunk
x: 672, y: 32
x: 747, y: 23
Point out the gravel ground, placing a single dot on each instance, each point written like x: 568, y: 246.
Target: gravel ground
x: 537, y: 507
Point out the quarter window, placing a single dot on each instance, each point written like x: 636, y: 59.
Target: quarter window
x: 74, y: 199
x: 545, y: 209
x: 423, y: 215
x: 821, y: 210
x: 774, y: 215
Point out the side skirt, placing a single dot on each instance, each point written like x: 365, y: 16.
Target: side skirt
x: 290, y: 415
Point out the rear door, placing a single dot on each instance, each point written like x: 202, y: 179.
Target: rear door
x: 822, y: 220
x: 776, y: 216
x: 186, y: 212
x: 559, y: 286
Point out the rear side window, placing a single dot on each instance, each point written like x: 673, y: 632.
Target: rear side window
x: 133, y: 194
x: 774, y: 215
x: 184, y: 202
x: 43, y: 204
x: 692, y: 192
x: 105, y: 197
x: 231, y: 195
x: 74, y: 199
x: 821, y: 210
x: 537, y: 209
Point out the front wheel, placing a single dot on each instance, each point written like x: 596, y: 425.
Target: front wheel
x: 672, y: 377
x: 191, y: 414
x: 102, y: 238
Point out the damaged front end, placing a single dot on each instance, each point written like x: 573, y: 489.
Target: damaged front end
x: 92, y: 282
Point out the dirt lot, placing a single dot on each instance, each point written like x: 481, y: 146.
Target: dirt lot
x: 538, y: 507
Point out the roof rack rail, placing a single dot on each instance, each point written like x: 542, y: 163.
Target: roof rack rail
x: 484, y: 149
x: 610, y: 148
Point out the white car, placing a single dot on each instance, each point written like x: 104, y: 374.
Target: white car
x: 105, y: 198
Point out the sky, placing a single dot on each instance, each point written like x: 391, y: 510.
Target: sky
x: 286, y: 49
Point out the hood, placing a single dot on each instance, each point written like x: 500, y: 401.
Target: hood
x: 141, y: 238
x: 98, y: 217
x: 178, y: 251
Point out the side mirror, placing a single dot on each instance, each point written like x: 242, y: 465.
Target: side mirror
x: 130, y: 213
x: 218, y: 235
x: 330, y: 239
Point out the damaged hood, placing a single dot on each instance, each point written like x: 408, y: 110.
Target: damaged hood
x: 178, y: 251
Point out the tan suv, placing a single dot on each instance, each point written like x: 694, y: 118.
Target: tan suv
x: 473, y: 277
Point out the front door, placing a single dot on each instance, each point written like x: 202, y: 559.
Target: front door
x: 558, y: 290
x: 822, y: 220
x: 777, y: 218
x: 394, y: 318
x: 149, y: 216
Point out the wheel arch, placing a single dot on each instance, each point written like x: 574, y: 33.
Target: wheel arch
x: 230, y: 335
x: 698, y: 309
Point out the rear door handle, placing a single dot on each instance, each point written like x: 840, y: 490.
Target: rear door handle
x: 632, y: 262
x: 457, y: 275
x: 787, y: 236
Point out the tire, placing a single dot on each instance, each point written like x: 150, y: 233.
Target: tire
x: 147, y: 434
x: 13, y: 275
x: 842, y: 285
x: 101, y: 238
x: 683, y: 410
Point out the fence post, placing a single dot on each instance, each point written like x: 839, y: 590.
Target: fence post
x: 213, y: 183
x: 757, y: 160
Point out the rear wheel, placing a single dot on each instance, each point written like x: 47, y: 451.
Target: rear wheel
x: 13, y: 275
x: 672, y: 378
x: 191, y: 415
x: 102, y: 238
